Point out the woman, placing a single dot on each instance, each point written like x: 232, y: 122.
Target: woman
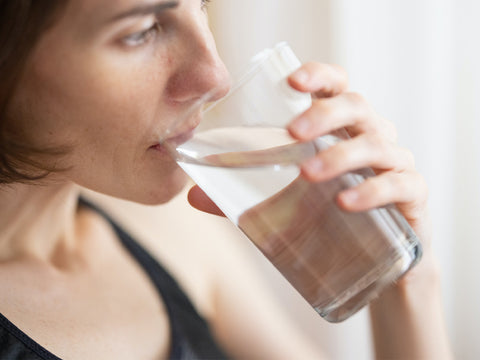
x: 88, y: 87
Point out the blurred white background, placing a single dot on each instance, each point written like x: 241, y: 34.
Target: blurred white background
x: 418, y: 63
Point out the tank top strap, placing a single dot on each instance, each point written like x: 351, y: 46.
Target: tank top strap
x: 191, y: 335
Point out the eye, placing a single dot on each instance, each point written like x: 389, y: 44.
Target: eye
x: 143, y: 37
x: 205, y: 3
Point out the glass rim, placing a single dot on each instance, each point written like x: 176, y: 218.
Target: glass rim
x: 243, y: 76
x: 253, y: 67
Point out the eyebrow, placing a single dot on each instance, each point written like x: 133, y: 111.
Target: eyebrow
x: 146, y: 10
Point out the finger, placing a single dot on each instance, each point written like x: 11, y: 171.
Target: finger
x: 322, y: 80
x: 370, y: 150
x: 347, y: 110
x: 200, y: 201
x: 408, y: 190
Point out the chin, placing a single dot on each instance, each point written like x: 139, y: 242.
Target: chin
x: 162, y: 192
x: 151, y: 185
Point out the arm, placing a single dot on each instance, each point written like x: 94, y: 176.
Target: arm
x: 407, y: 319
x: 249, y: 319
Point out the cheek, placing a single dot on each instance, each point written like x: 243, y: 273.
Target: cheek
x: 109, y: 111
x: 86, y: 101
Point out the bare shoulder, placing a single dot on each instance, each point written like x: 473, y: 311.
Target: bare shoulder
x: 197, y: 249
x: 225, y: 276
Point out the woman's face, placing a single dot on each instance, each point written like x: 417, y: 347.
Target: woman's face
x: 107, y: 80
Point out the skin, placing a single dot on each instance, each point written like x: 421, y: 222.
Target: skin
x: 165, y: 75
x: 95, y: 85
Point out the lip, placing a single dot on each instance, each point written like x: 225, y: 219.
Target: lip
x: 176, y: 140
x: 180, y: 136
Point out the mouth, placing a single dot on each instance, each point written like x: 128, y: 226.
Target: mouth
x: 178, y: 136
x: 176, y: 140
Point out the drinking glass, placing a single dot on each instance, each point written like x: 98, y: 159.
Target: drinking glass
x: 239, y: 152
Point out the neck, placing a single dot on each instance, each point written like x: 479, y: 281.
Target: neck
x: 37, y: 221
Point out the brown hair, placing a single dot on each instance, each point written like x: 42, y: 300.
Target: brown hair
x: 22, y: 23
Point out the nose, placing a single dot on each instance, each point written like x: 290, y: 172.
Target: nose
x: 200, y: 70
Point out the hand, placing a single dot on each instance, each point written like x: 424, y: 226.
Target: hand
x: 407, y: 319
x: 372, y: 144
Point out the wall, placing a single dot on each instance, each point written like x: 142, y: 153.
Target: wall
x: 417, y: 61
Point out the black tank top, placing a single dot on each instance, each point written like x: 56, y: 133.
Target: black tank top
x: 191, y: 337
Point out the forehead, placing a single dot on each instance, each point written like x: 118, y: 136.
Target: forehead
x: 91, y: 11
x: 83, y: 19
x: 93, y: 7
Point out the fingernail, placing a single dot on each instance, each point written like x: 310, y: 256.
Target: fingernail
x: 301, y: 126
x: 313, y: 166
x: 349, y: 197
x: 301, y: 76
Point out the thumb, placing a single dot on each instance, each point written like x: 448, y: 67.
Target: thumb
x: 200, y: 201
